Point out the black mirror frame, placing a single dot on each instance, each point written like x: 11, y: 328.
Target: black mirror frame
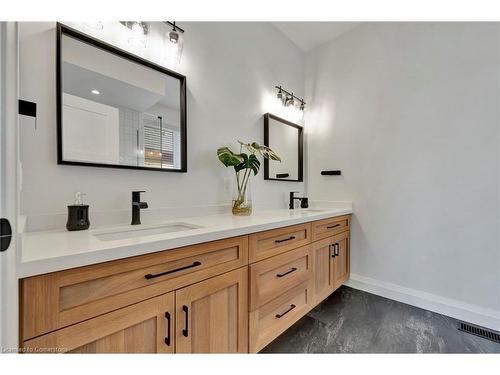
x: 66, y: 30
x: 300, y: 147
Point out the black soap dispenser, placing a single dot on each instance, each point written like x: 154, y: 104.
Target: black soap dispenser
x: 78, y: 214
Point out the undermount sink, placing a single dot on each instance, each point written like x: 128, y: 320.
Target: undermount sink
x: 120, y: 234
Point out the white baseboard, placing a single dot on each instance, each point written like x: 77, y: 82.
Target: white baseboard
x: 456, y: 309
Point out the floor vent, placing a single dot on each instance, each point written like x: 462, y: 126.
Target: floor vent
x: 478, y: 331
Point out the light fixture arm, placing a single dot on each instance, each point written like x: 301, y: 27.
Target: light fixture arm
x: 174, y: 26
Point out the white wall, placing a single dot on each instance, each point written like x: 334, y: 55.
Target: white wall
x: 410, y: 114
x: 231, y: 71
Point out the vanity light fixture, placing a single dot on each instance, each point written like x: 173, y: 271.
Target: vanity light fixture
x: 138, y: 32
x: 95, y: 92
x: 288, y: 99
x: 174, y: 41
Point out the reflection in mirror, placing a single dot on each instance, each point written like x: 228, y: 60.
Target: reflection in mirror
x: 286, y: 139
x: 117, y: 109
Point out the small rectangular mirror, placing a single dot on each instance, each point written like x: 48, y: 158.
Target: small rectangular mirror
x: 286, y: 139
x: 116, y: 109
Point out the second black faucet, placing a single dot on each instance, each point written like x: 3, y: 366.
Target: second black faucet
x: 304, y: 202
x: 137, y: 205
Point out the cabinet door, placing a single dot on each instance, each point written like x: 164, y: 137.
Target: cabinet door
x: 212, y: 315
x: 145, y: 327
x: 341, y: 266
x: 323, y: 269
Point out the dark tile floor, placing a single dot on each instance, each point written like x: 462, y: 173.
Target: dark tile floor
x: 352, y: 321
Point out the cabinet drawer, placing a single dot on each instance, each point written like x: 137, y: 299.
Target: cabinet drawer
x: 276, y: 241
x: 273, y: 318
x: 329, y: 227
x: 59, y: 299
x: 271, y: 277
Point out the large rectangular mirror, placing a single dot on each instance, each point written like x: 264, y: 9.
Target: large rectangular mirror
x: 286, y: 139
x: 116, y: 109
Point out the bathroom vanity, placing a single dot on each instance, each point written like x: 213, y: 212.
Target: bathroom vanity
x: 228, y: 295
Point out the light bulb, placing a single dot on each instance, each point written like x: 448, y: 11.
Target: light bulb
x: 174, y: 37
x: 173, y: 42
x: 280, y: 95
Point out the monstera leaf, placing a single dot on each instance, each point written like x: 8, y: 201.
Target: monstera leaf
x: 229, y: 158
x: 249, y: 162
x: 265, y: 151
x: 253, y: 163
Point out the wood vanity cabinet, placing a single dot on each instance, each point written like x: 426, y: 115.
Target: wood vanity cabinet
x: 228, y: 296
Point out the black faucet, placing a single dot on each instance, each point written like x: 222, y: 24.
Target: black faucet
x: 137, y: 205
x: 304, y: 202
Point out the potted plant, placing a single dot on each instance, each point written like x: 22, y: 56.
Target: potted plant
x: 244, y: 164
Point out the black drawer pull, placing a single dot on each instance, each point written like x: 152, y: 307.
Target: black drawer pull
x: 186, y: 322
x: 286, y: 312
x: 167, y: 338
x: 150, y: 276
x: 334, y: 226
x: 286, y: 239
x: 286, y: 273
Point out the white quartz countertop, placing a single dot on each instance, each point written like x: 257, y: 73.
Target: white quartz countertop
x: 49, y: 251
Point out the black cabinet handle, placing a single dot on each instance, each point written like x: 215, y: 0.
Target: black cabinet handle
x: 150, y: 276
x: 286, y: 239
x: 167, y: 338
x: 286, y: 312
x: 186, y: 322
x: 333, y: 226
x: 337, y: 249
x: 286, y: 273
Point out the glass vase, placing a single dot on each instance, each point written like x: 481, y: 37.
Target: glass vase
x: 242, y: 196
